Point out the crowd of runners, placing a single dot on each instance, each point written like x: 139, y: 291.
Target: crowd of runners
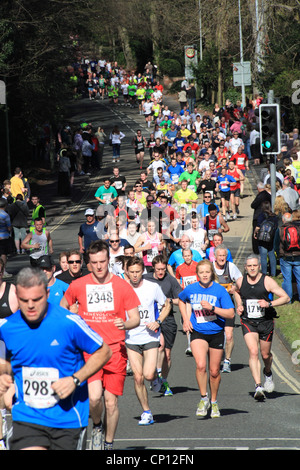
x: 70, y: 334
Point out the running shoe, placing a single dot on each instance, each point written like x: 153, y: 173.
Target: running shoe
x: 269, y: 384
x: 2, y: 445
x: 259, y: 393
x: 146, y: 419
x: 128, y: 368
x: 156, y: 384
x: 203, y: 406
x: 108, y: 446
x: 166, y: 390
x: 97, y: 438
x: 226, y: 366
x: 4, y: 425
x: 215, y: 412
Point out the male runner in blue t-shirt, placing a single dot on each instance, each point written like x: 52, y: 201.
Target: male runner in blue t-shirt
x: 44, y: 346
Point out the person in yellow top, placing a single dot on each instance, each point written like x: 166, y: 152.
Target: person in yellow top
x: 184, y: 131
x: 141, y: 96
x: 140, y: 195
x: 186, y: 196
x: 17, y: 183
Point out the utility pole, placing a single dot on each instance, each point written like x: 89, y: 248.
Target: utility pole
x: 242, y: 56
x: 3, y: 100
x: 273, y: 160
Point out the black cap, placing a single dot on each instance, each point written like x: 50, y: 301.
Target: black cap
x: 45, y: 262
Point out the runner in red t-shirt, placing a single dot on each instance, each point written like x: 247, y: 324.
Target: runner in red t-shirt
x: 108, y: 304
x: 186, y: 272
x: 235, y: 188
x: 241, y: 161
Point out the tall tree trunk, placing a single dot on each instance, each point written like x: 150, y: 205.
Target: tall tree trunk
x: 124, y: 37
x: 155, y: 31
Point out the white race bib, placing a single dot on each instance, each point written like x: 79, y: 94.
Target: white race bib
x: 151, y: 254
x: 37, y: 389
x: 100, y: 298
x: 187, y: 280
x: 202, y: 315
x: 254, y: 310
x: 144, y: 316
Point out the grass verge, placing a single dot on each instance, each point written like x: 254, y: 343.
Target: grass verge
x: 288, y: 322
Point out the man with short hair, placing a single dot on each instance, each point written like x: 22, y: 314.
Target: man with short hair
x: 227, y: 273
x: 89, y: 231
x: 38, y: 211
x: 75, y: 270
x: 176, y: 258
x: 186, y: 195
x: 56, y: 287
x: 290, y: 195
x: 171, y: 290
x: 38, y: 241
x: 110, y: 306
x: 142, y: 342
x: 17, y: 183
x: 106, y: 193
x: 257, y: 314
x: 46, y: 345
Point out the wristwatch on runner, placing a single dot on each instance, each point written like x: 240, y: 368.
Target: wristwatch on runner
x: 76, y: 381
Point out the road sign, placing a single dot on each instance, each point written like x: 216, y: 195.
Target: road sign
x: 241, y: 73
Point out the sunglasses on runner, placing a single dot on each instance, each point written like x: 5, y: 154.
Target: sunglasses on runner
x: 76, y: 261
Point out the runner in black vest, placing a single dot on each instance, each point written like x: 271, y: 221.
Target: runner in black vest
x: 257, y: 319
x: 227, y: 273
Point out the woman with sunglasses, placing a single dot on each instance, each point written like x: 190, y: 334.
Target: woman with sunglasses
x: 204, y: 306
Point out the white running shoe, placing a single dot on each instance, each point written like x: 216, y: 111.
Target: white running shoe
x: 215, y: 412
x: 226, y: 366
x: 259, y: 393
x: 203, y: 406
x: 146, y: 419
x: 97, y: 438
x: 269, y: 384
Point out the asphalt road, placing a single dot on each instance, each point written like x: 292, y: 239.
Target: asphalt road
x: 244, y: 423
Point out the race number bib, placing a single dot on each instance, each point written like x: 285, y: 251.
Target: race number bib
x: 254, y: 310
x: 107, y: 197
x: 211, y: 232
x: 144, y: 316
x: 202, y: 315
x: 100, y: 298
x: 118, y: 184
x: 187, y: 280
x: 151, y: 254
x: 37, y: 389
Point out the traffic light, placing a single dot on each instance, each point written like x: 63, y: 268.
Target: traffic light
x: 269, y: 128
